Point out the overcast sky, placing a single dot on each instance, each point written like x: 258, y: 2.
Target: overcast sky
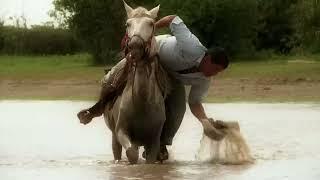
x: 36, y: 11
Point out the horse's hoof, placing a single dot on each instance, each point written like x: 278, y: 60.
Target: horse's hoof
x: 163, y: 154
x: 116, y: 161
x: 132, y: 155
x: 144, y: 154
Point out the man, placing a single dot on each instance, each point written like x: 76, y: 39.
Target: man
x: 189, y: 63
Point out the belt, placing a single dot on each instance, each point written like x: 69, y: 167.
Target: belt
x: 193, y: 69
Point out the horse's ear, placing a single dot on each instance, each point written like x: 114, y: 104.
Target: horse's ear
x: 128, y: 9
x: 154, y: 12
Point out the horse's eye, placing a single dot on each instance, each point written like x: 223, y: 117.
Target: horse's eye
x: 127, y: 24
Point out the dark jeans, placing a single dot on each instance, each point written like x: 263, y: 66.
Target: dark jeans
x: 175, y: 108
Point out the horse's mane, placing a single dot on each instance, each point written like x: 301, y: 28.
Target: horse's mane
x: 140, y: 12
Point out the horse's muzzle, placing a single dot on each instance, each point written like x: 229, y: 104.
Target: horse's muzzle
x: 136, y: 47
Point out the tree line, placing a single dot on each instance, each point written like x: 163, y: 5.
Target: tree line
x: 245, y: 28
x: 37, y: 40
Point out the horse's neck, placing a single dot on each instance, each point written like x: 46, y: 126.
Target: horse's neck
x: 143, y: 83
x: 154, y: 49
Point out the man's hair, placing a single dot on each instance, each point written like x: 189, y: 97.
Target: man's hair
x: 219, y: 56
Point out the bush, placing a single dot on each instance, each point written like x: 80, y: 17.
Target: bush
x: 38, y: 40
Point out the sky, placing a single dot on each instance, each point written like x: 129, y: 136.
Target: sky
x: 35, y: 11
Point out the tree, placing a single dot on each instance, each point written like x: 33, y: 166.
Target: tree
x: 240, y: 26
x: 99, y: 23
x: 308, y: 24
x: 277, y: 26
x: 1, y: 34
x: 227, y: 23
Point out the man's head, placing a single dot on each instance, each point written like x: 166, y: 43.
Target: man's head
x: 215, y: 61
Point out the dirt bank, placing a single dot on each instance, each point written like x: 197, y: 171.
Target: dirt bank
x: 222, y: 89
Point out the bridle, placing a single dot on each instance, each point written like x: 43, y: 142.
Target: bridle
x: 131, y: 64
x: 146, y: 45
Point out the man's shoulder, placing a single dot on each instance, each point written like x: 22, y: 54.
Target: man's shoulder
x: 166, y: 41
x: 163, y: 37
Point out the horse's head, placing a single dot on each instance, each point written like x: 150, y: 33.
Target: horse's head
x: 140, y: 27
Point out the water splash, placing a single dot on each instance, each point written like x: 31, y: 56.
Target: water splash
x: 233, y: 149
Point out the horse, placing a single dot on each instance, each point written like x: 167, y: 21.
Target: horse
x: 137, y: 115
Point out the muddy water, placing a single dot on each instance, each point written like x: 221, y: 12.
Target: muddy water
x: 43, y: 140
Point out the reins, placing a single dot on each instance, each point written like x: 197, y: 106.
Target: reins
x: 131, y: 64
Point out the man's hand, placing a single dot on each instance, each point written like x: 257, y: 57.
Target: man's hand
x: 218, y: 124
x: 213, y: 130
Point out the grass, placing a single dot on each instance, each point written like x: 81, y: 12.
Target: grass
x: 299, y: 79
x: 79, y: 66
x: 285, y: 67
x: 48, y: 67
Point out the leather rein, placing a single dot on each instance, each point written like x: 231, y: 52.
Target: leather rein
x: 146, y: 49
x: 131, y: 63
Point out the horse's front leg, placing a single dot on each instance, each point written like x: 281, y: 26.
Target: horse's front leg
x: 152, y: 151
x: 116, y: 148
x: 131, y: 150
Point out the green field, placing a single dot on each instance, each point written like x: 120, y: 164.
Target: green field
x: 48, y: 67
x: 279, y: 79
x: 78, y: 66
x: 282, y: 68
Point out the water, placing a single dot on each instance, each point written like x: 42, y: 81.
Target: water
x: 44, y: 140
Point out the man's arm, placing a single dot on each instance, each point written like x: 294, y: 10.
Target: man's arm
x: 188, y: 43
x: 198, y: 111
x: 207, y: 124
x: 165, y: 21
x: 196, y: 96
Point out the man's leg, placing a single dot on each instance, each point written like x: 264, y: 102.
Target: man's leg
x: 175, y: 108
x: 109, y: 85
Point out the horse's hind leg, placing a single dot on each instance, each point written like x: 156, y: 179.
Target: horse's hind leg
x: 131, y: 150
x: 116, y: 148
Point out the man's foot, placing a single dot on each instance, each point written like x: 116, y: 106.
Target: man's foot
x: 85, y: 116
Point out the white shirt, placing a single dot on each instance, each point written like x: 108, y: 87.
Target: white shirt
x: 182, y: 51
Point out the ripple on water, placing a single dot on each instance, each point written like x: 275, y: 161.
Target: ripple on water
x: 51, y: 143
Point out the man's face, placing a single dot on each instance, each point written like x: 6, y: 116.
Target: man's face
x: 208, y: 68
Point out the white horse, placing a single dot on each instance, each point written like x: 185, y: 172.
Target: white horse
x: 137, y: 116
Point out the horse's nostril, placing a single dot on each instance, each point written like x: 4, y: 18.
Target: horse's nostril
x: 132, y: 45
x: 136, y: 42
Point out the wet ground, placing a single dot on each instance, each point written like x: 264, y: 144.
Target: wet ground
x: 43, y: 140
